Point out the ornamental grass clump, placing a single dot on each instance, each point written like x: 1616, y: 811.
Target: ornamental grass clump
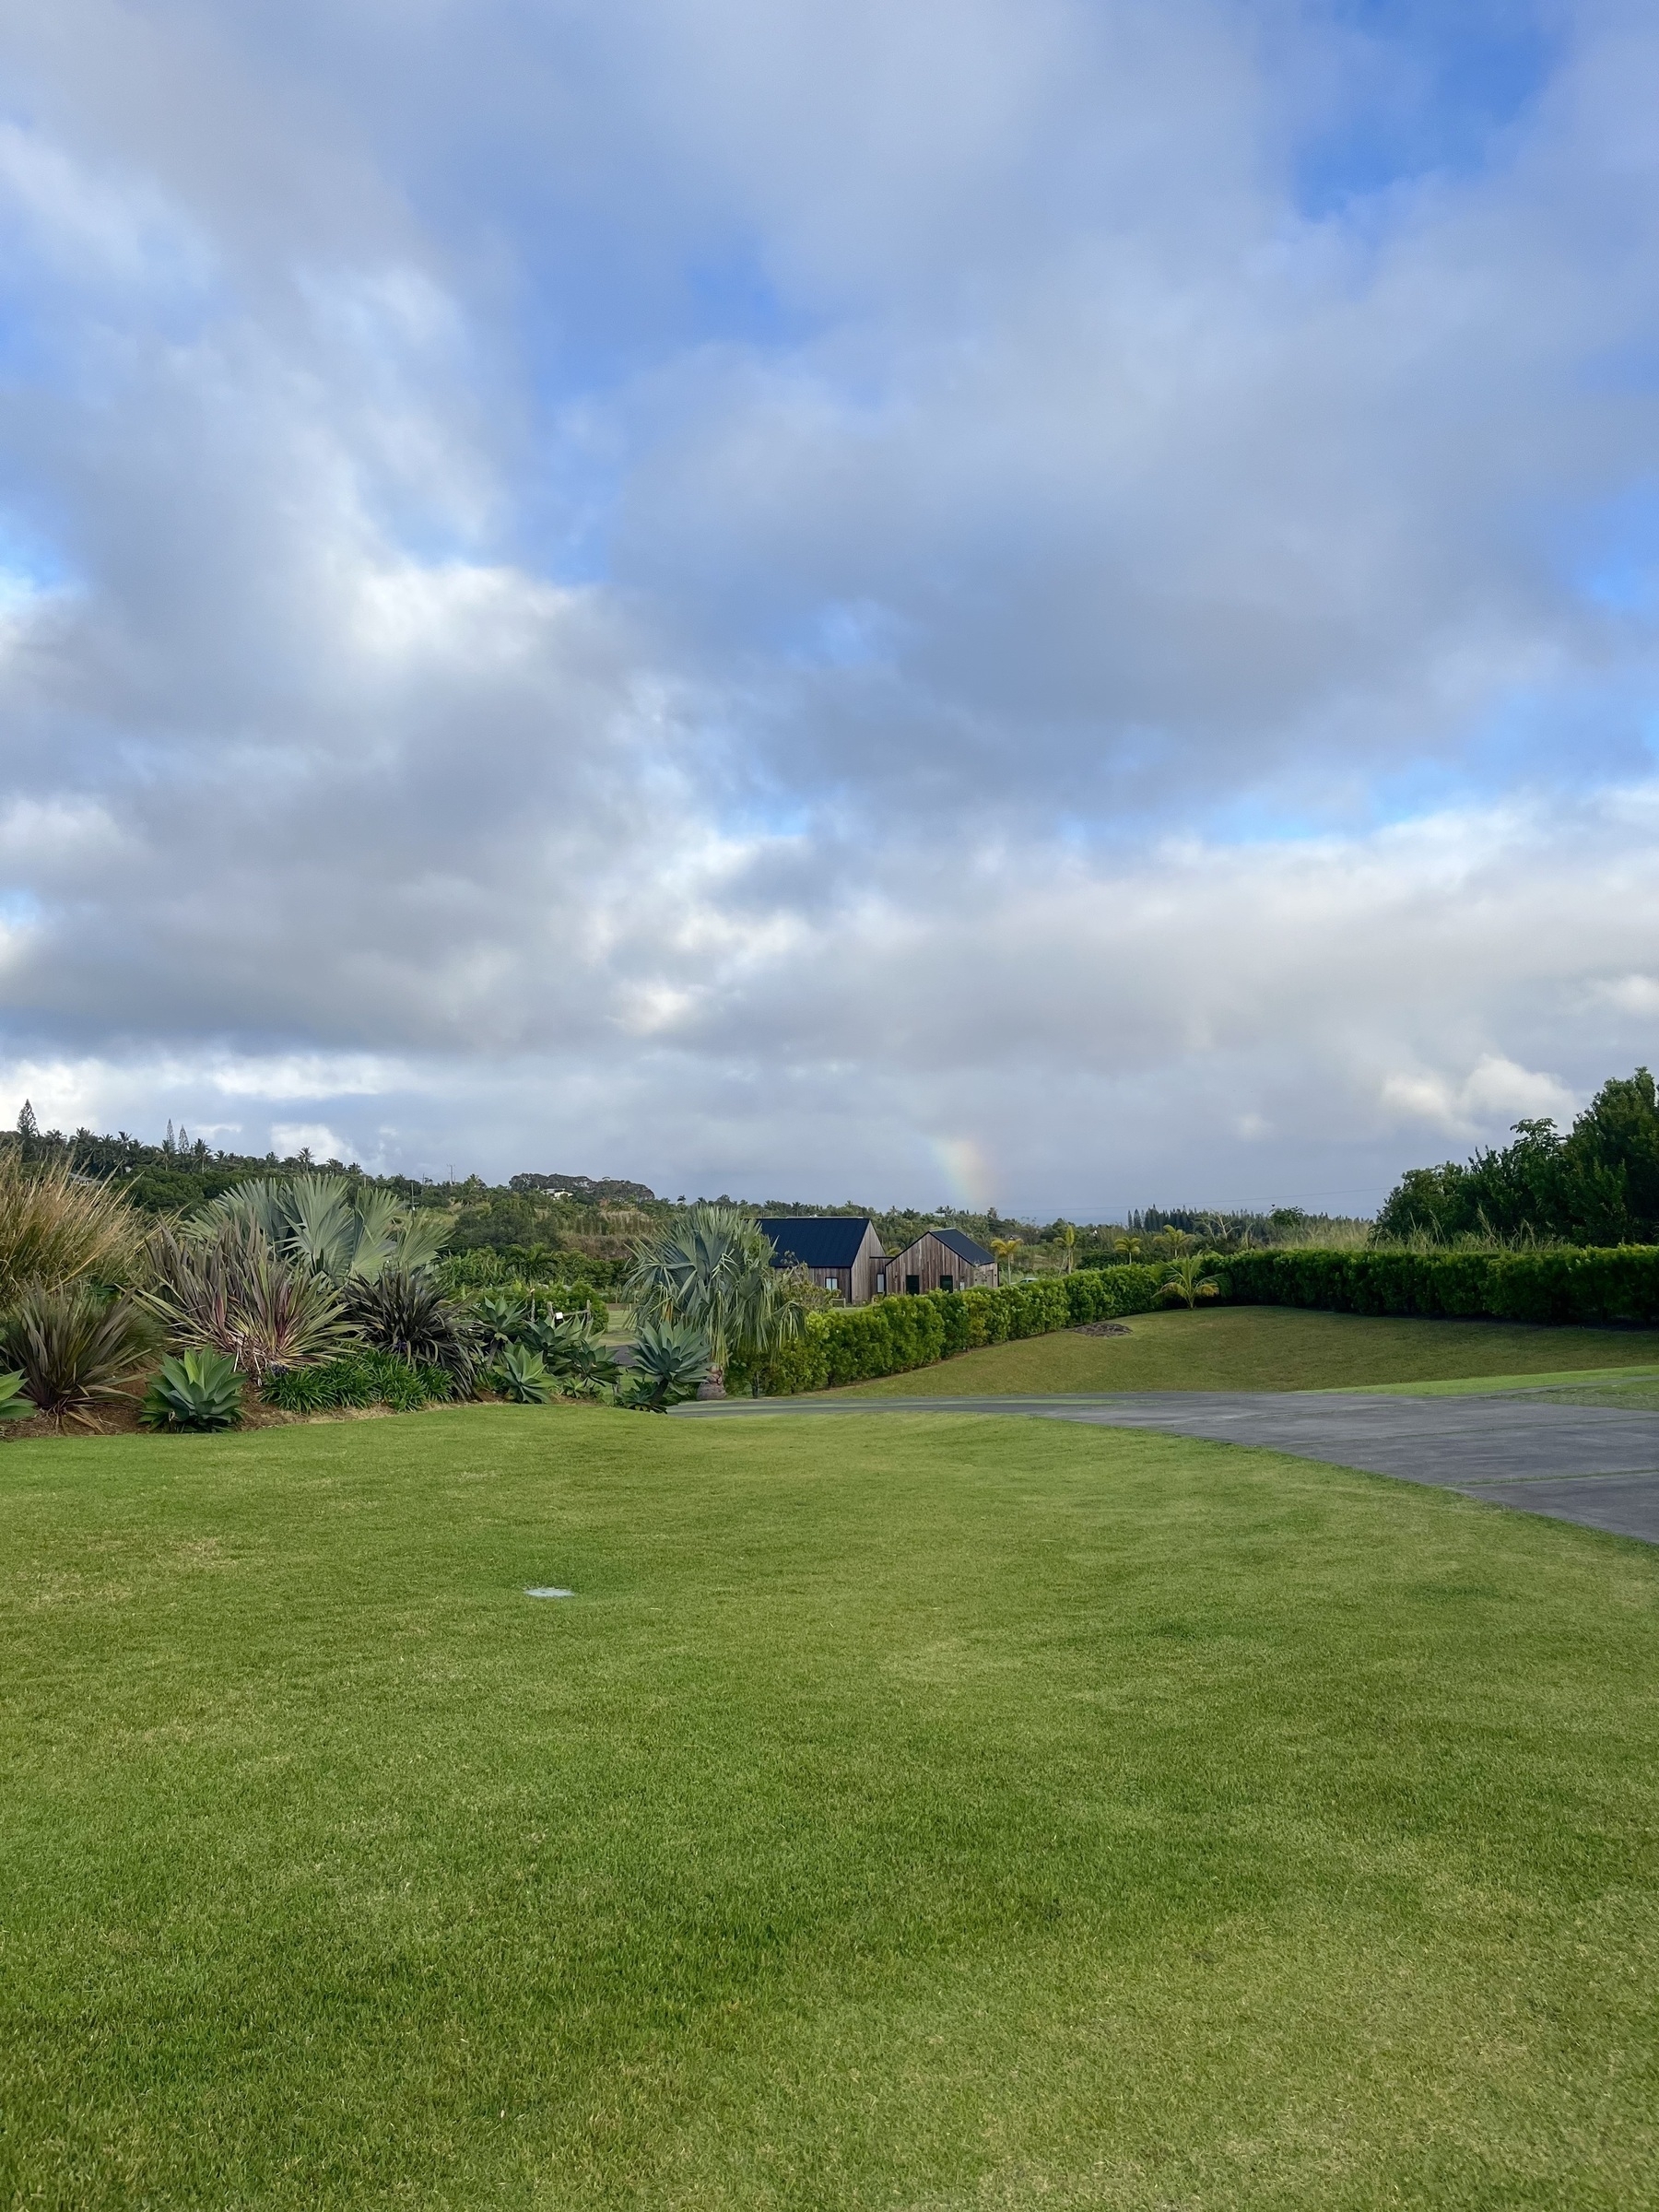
x: 57, y: 1228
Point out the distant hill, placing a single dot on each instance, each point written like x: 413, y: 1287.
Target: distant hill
x: 593, y: 1190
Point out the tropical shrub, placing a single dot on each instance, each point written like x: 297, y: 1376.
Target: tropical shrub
x: 198, y: 1390
x: 15, y: 1404
x: 499, y: 1320
x: 57, y: 1228
x: 408, y: 1316
x: 521, y: 1374
x: 711, y: 1269
x: 669, y: 1361
x: 77, y: 1348
x: 1187, y: 1280
x: 571, y: 1352
x: 230, y: 1290
x: 360, y: 1378
x: 333, y: 1225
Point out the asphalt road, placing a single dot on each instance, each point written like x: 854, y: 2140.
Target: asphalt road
x: 1596, y: 1465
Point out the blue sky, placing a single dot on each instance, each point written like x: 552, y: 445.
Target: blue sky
x: 1048, y: 603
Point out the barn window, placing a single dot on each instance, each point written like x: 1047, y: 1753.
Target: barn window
x: 912, y: 1285
x: 947, y: 1282
x: 832, y: 1282
x: 881, y: 1284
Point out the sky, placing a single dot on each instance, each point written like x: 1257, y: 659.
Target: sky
x: 1038, y: 602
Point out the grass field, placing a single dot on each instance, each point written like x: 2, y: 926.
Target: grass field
x: 924, y: 1813
x: 1268, y: 1347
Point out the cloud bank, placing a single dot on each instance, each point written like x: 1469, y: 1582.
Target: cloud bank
x: 1051, y: 604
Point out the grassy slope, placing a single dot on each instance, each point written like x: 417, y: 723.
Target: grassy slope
x: 913, y: 1812
x: 1269, y: 1348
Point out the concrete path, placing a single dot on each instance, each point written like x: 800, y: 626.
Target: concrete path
x: 1589, y: 1464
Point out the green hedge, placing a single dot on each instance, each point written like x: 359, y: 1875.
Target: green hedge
x: 857, y: 1344
x: 1585, y: 1284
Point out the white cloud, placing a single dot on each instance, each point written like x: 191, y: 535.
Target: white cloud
x: 822, y: 597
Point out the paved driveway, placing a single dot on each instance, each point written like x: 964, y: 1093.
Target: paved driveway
x: 1592, y: 1464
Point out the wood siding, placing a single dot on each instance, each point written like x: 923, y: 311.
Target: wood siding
x: 930, y: 1262
x: 856, y: 1284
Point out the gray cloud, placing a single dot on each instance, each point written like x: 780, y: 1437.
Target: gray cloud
x: 818, y: 598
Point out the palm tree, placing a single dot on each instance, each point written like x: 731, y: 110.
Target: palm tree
x: 711, y: 1269
x: 335, y: 1225
x: 1184, y: 1278
x: 1005, y: 1248
x: 1068, y: 1246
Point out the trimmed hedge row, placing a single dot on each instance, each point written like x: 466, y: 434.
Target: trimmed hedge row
x: 1588, y: 1285
x: 857, y: 1344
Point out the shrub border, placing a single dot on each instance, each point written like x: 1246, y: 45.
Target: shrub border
x: 859, y: 1344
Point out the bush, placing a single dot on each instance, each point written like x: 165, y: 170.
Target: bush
x: 58, y: 1227
x: 198, y: 1390
x: 408, y: 1316
x: 360, y: 1378
x: 522, y: 1375
x: 77, y: 1348
x: 15, y: 1405
x: 227, y: 1288
x: 1585, y: 1285
x: 858, y: 1344
x: 670, y: 1360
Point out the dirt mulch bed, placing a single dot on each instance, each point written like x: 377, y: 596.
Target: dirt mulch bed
x: 1102, y: 1328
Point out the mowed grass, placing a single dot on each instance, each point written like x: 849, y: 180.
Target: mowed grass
x: 920, y: 1812
x: 1268, y: 1347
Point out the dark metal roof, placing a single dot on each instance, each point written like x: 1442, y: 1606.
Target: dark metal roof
x: 965, y: 1248
x: 816, y: 1240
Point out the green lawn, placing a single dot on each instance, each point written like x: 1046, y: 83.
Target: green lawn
x: 911, y: 1814
x: 1269, y: 1348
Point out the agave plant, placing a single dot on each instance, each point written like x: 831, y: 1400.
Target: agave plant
x: 78, y: 1349
x: 711, y: 1269
x: 501, y: 1320
x: 335, y: 1225
x: 569, y: 1349
x: 522, y: 1375
x: 15, y: 1402
x: 198, y: 1390
x: 409, y: 1316
x: 231, y: 1291
x: 670, y: 1360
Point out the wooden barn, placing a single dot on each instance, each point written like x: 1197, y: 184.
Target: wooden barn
x: 840, y: 1252
x: 940, y: 1259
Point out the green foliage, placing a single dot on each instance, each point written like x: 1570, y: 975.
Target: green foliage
x: 670, y: 1360
x: 499, y: 1320
x: 409, y: 1316
x: 710, y: 1269
x: 894, y: 1334
x: 228, y: 1287
x: 57, y: 1228
x: 1582, y: 1284
x: 15, y: 1402
x: 1189, y: 1278
x: 1597, y: 1185
x: 518, y: 1373
x: 572, y: 1352
x: 361, y: 1378
x: 199, y: 1390
x: 76, y: 1349
x: 335, y: 1225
